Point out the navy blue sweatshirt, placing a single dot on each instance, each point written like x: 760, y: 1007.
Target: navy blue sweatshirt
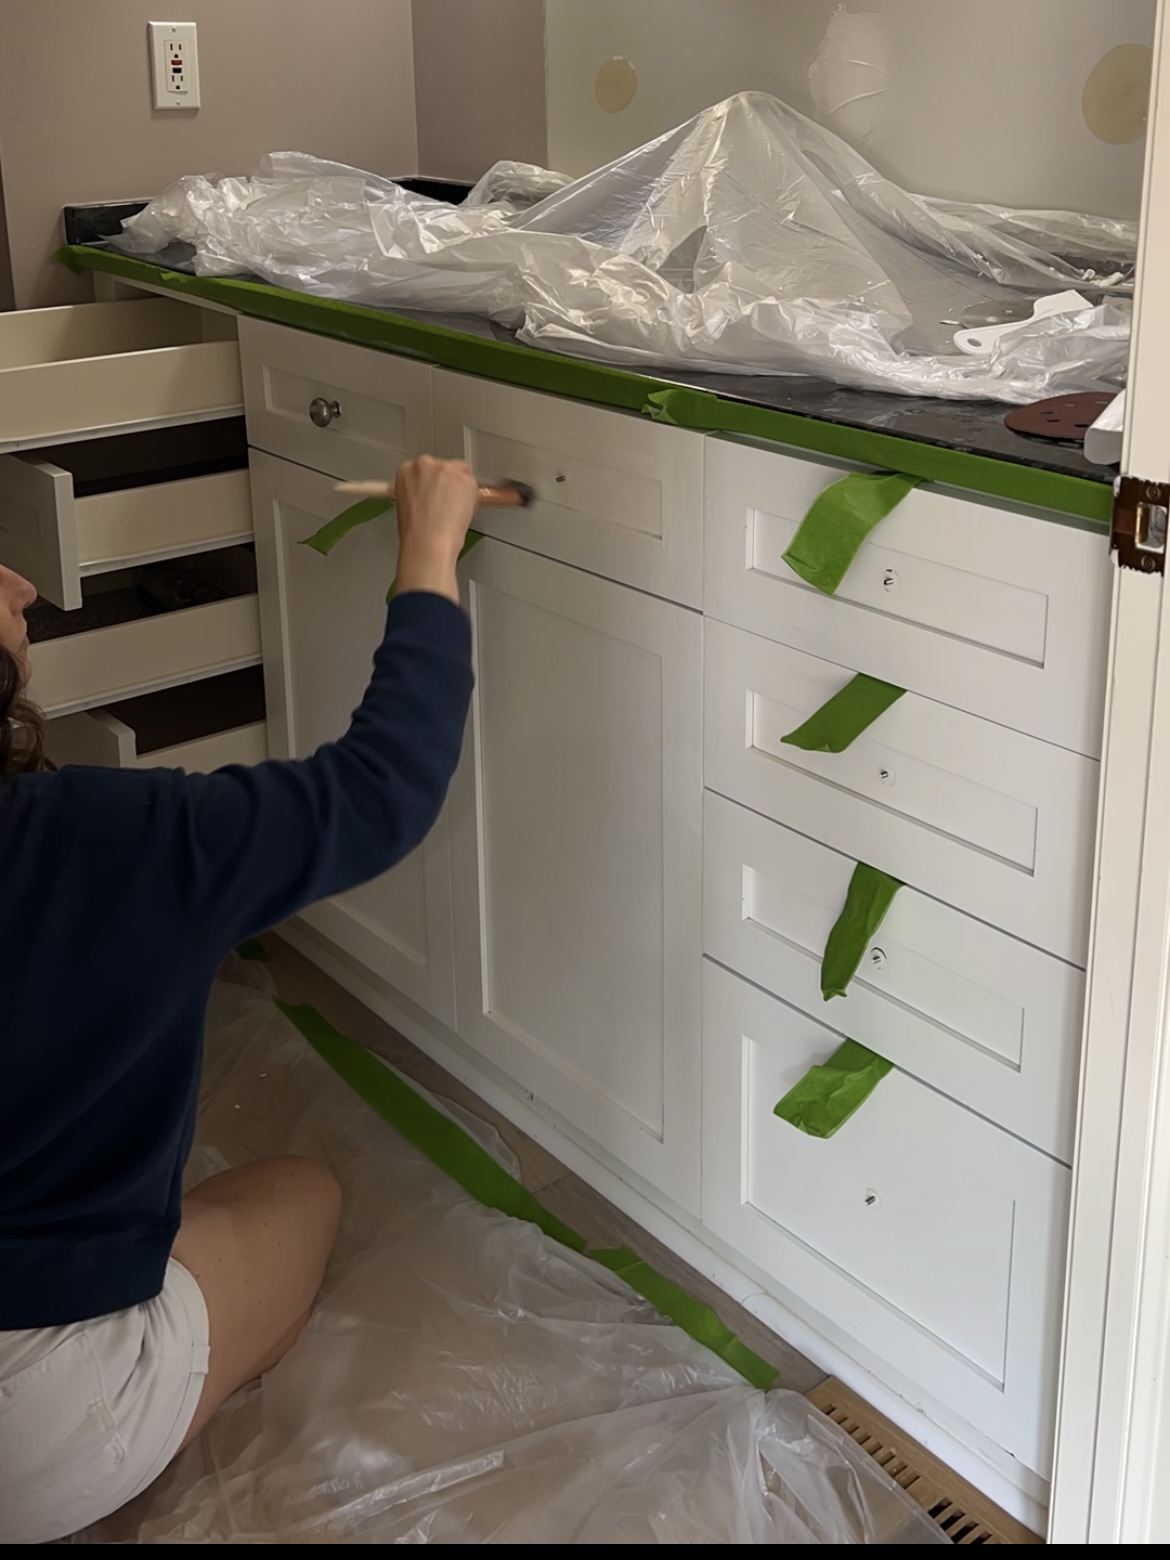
x: 120, y: 894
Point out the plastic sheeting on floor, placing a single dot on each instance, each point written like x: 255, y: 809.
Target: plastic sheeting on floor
x: 751, y: 240
x: 467, y: 1380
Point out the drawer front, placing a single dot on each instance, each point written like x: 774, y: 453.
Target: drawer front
x: 617, y: 495
x: 84, y: 670
x: 99, y: 738
x: 970, y: 812
x: 989, y: 1020
x: 373, y: 411
x: 921, y: 1232
x: 1001, y: 614
x: 110, y: 367
x: 56, y: 540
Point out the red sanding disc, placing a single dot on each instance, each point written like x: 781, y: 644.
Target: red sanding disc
x: 1064, y: 418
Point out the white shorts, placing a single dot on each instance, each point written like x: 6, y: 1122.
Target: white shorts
x: 90, y: 1415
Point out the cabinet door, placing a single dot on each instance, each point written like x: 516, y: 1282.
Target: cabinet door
x: 578, y: 856
x: 322, y: 620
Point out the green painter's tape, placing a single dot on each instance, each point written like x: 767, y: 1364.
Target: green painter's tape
x: 839, y: 723
x: 825, y: 1098
x: 364, y: 512
x: 254, y: 951
x: 449, y: 1147
x: 832, y: 533
x: 510, y: 363
x: 871, y: 893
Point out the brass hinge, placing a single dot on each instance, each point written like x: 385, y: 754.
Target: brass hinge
x: 1141, y: 513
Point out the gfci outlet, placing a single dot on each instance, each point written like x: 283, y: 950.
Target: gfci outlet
x: 174, y: 64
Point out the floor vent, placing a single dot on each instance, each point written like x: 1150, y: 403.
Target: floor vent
x: 966, y: 1516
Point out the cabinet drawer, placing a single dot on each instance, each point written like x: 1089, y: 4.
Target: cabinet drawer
x: 1001, y: 614
x: 989, y: 1020
x: 102, y: 367
x: 348, y: 411
x: 56, y: 538
x: 930, y: 1238
x: 970, y: 812
x: 617, y: 495
x: 137, y: 649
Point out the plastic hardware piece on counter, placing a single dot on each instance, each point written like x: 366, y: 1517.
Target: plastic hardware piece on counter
x: 825, y: 1098
x: 983, y: 341
x: 1065, y: 419
x: 833, y: 531
x: 871, y: 893
x: 839, y: 723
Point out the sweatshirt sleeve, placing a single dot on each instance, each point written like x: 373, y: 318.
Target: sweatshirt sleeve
x: 256, y: 846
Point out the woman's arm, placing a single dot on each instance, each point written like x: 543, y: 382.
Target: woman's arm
x: 254, y: 846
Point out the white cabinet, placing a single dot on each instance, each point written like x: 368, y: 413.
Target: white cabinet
x: 322, y: 620
x: 578, y: 857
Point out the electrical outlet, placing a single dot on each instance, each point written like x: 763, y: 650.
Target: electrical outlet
x: 174, y: 63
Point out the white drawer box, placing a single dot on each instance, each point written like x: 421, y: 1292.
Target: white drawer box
x: 970, y: 812
x: 1001, y: 614
x: 617, y: 495
x: 79, y: 671
x: 56, y: 539
x: 989, y: 1020
x: 348, y: 411
x: 110, y: 367
x: 199, y: 727
x: 928, y: 1236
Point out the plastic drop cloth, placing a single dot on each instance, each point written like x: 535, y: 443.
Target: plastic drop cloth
x: 466, y: 1380
x: 749, y: 241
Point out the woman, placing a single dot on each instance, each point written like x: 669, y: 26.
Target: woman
x: 128, y: 1313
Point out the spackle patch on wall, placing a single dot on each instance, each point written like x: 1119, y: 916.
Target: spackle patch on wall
x: 616, y: 86
x: 1116, y: 99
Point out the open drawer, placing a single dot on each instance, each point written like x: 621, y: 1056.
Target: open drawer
x: 199, y: 727
x: 922, y: 1234
x: 76, y: 510
x: 103, y: 367
x: 147, y: 629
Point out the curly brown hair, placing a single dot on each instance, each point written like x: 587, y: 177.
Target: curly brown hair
x: 22, y: 726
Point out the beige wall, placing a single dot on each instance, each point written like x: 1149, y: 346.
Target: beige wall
x: 983, y: 99
x: 479, y: 74
x: 333, y: 77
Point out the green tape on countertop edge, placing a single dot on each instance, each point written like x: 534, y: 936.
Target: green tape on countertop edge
x: 839, y: 723
x: 836, y: 526
x: 699, y: 410
x: 825, y: 1098
x: 871, y: 893
x: 457, y: 1154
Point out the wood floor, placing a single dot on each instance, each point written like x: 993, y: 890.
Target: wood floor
x: 564, y: 1194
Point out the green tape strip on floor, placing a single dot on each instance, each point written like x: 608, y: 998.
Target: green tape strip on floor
x: 825, y: 1098
x: 838, y: 523
x: 510, y: 363
x: 837, y: 725
x: 449, y: 1147
x: 871, y: 893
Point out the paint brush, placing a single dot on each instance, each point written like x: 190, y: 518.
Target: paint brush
x: 500, y: 495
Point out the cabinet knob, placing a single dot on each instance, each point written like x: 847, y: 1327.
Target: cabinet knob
x: 323, y: 412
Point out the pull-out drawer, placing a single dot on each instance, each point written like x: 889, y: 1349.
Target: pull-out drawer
x: 1002, y: 614
x: 617, y: 495
x: 199, y: 727
x: 988, y: 1020
x: 929, y: 1238
x: 348, y: 411
x: 110, y: 367
x: 122, y: 642
x: 78, y: 510
x: 970, y: 812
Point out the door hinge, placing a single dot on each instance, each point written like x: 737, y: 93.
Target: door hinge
x: 1141, y: 512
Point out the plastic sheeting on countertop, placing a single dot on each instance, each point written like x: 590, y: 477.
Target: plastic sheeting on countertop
x: 465, y: 1379
x: 751, y: 240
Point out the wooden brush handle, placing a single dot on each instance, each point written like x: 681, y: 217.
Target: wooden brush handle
x: 489, y: 497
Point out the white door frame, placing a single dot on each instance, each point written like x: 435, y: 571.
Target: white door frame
x: 1113, y: 1428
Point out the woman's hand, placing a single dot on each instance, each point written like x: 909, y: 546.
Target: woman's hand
x: 437, y: 501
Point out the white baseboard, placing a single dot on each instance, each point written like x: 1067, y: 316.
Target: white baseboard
x: 1017, y: 1490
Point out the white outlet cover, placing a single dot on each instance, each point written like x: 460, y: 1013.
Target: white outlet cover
x: 174, y: 65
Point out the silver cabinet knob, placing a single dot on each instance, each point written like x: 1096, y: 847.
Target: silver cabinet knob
x: 323, y: 412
